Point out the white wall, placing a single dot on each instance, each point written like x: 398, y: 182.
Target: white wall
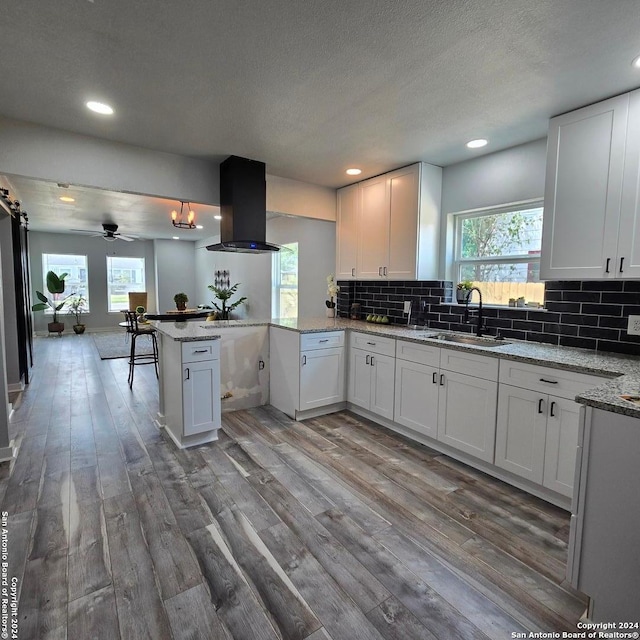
x: 505, y: 177
x: 316, y: 258
x: 253, y: 272
x: 175, y: 263
x: 40, y: 152
x: 9, y: 308
x: 296, y: 198
x: 511, y: 175
x: 96, y: 250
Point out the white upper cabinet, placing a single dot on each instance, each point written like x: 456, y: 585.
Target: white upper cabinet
x: 388, y: 226
x: 628, y: 262
x: 347, y: 238
x: 591, y: 193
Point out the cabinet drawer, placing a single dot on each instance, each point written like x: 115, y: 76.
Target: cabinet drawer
x: 558, y: 382
x: 373, y: 344
x: 200, y: 350
x: 418, y: 353
x: 470, y: 364
x: 324, y: 340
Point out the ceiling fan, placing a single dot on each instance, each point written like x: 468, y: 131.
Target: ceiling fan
x: 109, y: 233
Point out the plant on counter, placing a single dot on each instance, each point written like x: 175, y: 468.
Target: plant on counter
x: 181, y: 300
x: 55, y: 286
x: 462, y: 290
x: 140, y: 311
x: 224, y: 294
x: 78, y: 306
x: 332, y: 291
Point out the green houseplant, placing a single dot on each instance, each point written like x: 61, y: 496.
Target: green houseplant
x: 224, y: 294
x: 78, y: 306
x: 55, y: 286
x: 462, y: 290
x: 181, y: 300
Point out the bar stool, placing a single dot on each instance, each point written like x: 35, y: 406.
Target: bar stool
x: 140, y: 358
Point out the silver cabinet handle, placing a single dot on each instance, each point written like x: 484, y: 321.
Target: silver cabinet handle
x: 442, y: 379
x: 621, y: 263
x: 548, y: 381
x: 304, y: 360
x: 435, y: 377
x: 325, y: 340
x: 372, y: 361
x: 200, y: 351
x: 380, y: 271
x: 606, y: 269
x: 366, y: 360
x: 188, y: 373
x: 384, y: 271
x: 540, y: 405
x: 353, y: 272
x: 551, y: 408
x: 373, y: 344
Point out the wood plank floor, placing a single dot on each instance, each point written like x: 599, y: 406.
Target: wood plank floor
x: 329, y: 529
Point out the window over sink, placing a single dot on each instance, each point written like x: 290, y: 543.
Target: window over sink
x: 498, y: 250
x: 285, y: 282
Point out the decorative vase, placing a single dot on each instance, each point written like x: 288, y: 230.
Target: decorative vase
x: 462, y: 295
x: 181, y: 306
x: 79, y: 328
x: 56, y: 327
x: 331, y: 312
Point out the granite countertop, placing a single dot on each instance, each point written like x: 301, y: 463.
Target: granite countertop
x: 623, y: 371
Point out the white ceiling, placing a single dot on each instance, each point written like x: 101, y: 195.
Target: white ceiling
x: 314, y: 87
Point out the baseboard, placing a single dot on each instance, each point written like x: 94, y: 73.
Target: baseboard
x: 15, y: 387
x: 7, y: 454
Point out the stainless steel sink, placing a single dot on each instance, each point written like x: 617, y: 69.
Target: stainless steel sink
x: 471, y: 340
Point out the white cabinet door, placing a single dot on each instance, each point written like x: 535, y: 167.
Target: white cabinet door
x: 347, y: 230
x: 321, y: 378
x: 467, y: 414
x: 359, y: 390
x: 563, y: 424
x: 585, y: 161
x: 416, y: 397
x: 404, y: 190
x: 382, y: 385
x: 520, y: 432
x: 628, y: 258
x: 201, y: 396
x: 373, y: 241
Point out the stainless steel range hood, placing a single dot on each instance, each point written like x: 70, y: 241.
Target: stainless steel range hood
x: 243, y: 206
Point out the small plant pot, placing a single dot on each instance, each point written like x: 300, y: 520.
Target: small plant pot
x: 79, y: 328
x: 462, y: 295
x: 331, y: 312
x: 56, y: 327
x: 181, y: 306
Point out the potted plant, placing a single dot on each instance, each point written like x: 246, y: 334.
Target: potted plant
x: 462, y: 290
x: 332, y: 292
x: 78, y: 306
x: 224, y: 294
x: 140, y: 311
x: 181, y: 300
x: 55, y: 286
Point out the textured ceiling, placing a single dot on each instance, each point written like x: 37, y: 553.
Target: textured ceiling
x: 314, y: 86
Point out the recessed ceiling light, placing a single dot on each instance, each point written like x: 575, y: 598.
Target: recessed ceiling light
x: 199, y: 226
x: 354, y: 172
x: 176, y: 238
x: 100, y: 107
x: 67, y: 199
x: 636, y: 62
x: 476, y: 144
x: 217, y: 217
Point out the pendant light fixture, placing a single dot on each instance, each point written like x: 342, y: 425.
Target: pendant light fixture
x: 178, y: 219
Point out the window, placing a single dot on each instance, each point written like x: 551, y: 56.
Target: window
x: 123, y: 275
x: 285, y: 282
x: 76, y: 282
x: 499, y: 252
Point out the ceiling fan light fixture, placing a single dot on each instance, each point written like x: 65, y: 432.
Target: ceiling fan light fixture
x: 178, y: 219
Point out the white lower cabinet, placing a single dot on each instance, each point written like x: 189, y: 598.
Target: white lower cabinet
x: 416, y: 401
x: 321, y: 377
x: 190, y: 407
x: 307, y: 372
x: 371, y: 373
x: 467, y: 413
x: 537, y: 432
